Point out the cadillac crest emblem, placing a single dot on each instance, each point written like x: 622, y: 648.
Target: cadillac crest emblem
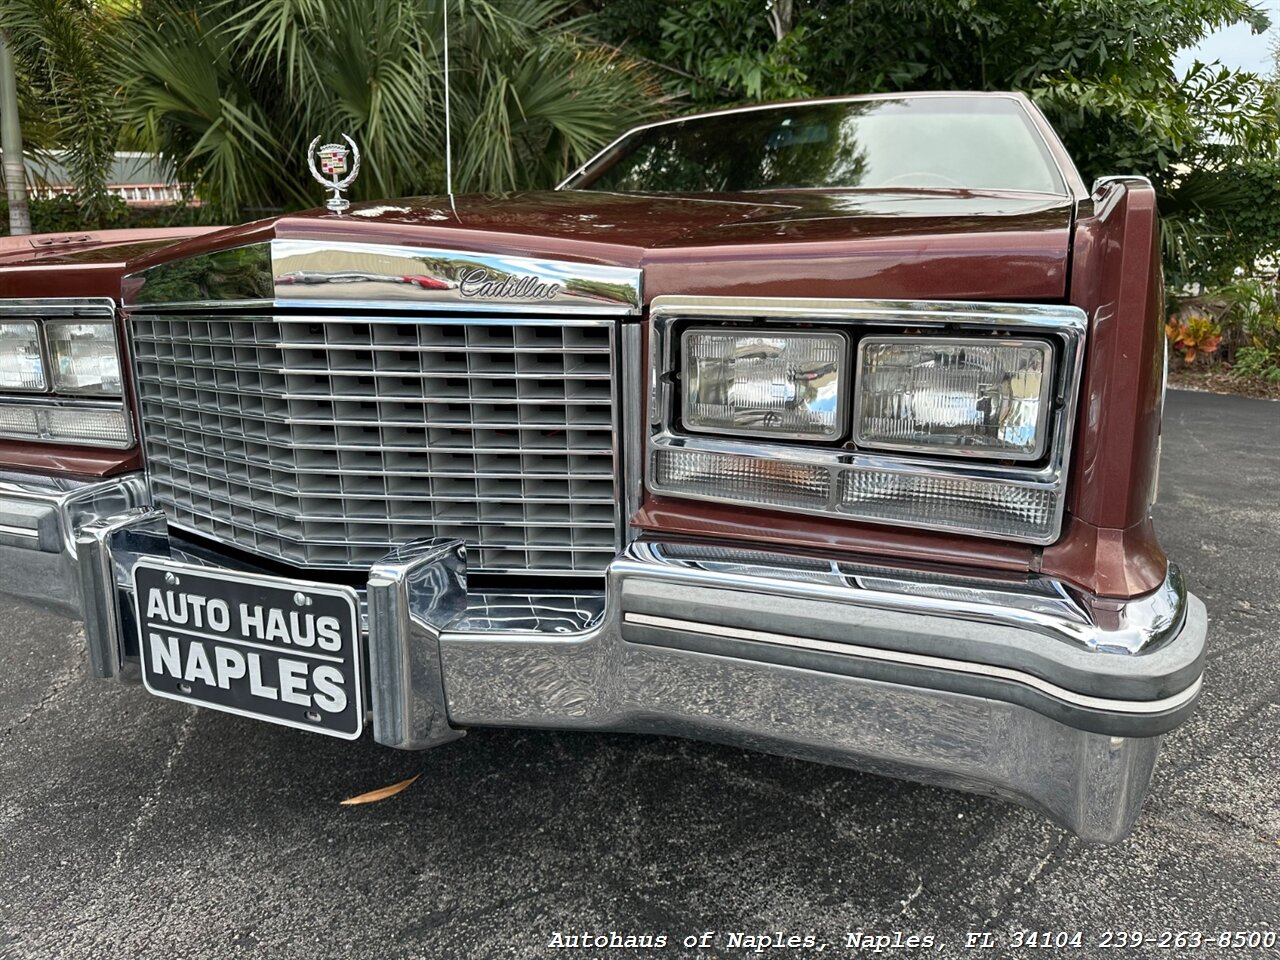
x: 333, y: 165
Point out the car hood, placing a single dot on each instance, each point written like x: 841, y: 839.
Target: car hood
x: 887, y: 244
x: 93, y: 247
x: 86, y: 264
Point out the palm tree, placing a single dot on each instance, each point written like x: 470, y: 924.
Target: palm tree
x: 233, y: 92
x: 15, y: 172
x: 59, y: 48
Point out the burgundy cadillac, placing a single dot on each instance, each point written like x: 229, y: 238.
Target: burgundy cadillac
x: 825, y: 428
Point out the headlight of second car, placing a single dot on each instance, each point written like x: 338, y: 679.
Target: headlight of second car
x: 21, y: 365
x: 60, y: 381
x: 787, y: 386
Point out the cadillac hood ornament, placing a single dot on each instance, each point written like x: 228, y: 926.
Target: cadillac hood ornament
x: 333, y: 165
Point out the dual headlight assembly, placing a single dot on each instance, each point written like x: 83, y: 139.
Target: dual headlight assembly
x: 60, y: 381
x: 955, y: 429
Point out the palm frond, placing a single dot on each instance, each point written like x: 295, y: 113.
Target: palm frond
x: 530, y: 98
x: 61, y: 44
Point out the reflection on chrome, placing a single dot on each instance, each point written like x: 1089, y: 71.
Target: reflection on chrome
x: 304, y: 276
x: 320, y: 273
x: 526, y: 613
x: 1037, y: 603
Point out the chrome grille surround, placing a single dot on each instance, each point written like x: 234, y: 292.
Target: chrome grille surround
x: 325, y: 440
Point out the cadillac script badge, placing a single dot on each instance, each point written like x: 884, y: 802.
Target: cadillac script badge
x: 333, y: 165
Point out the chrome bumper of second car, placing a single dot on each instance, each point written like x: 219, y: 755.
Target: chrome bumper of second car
x: 1011, y: 687
x: 40, y: 518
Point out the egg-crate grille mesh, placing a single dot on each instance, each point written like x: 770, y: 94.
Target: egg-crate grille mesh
x: 325, y: 442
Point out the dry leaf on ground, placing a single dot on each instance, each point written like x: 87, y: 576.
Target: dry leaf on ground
x: 373, y: 796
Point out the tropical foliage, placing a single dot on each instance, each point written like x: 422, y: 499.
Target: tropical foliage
x: 65, y: 214
x: 1237, y: 323
x: 66, y: 98
x: 1193, y: 335
x: 232, y: 91
x: 1252, y: 323
x: 235, y: 90
x: 1234, y: 215
x: 1257, y: 362
x: 1103, y: 72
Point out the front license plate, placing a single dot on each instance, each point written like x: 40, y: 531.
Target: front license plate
x: 257, y: 646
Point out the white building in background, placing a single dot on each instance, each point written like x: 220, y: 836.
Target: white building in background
x: 140, y: 179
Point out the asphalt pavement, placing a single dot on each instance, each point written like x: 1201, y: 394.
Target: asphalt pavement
x: 133, y: 827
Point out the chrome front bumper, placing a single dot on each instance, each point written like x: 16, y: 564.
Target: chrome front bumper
x: 40, y: 518
x: 1011, y: 687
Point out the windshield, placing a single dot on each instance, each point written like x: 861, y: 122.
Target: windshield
x: 976, y: 143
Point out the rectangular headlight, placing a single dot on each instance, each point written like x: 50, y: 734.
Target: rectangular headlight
x: 21, y: 366
x: 979, y: 397
x: 764, y: 384
x: 83, y: 357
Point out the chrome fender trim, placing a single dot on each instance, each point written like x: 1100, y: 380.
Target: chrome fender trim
x: 1136, y: 707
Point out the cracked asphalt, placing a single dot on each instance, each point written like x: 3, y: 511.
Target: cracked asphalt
x: 133, y: 827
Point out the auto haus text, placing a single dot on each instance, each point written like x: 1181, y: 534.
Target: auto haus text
x: 299, y: 680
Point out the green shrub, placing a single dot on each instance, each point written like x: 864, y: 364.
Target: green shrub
x: 1257, y: 362
x: 64, y: 214
x: 1251, y: 313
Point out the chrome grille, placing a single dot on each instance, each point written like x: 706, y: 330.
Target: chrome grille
x: 324, y: 441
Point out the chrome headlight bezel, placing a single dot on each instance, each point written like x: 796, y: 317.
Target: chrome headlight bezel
x: 1033, y: 492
